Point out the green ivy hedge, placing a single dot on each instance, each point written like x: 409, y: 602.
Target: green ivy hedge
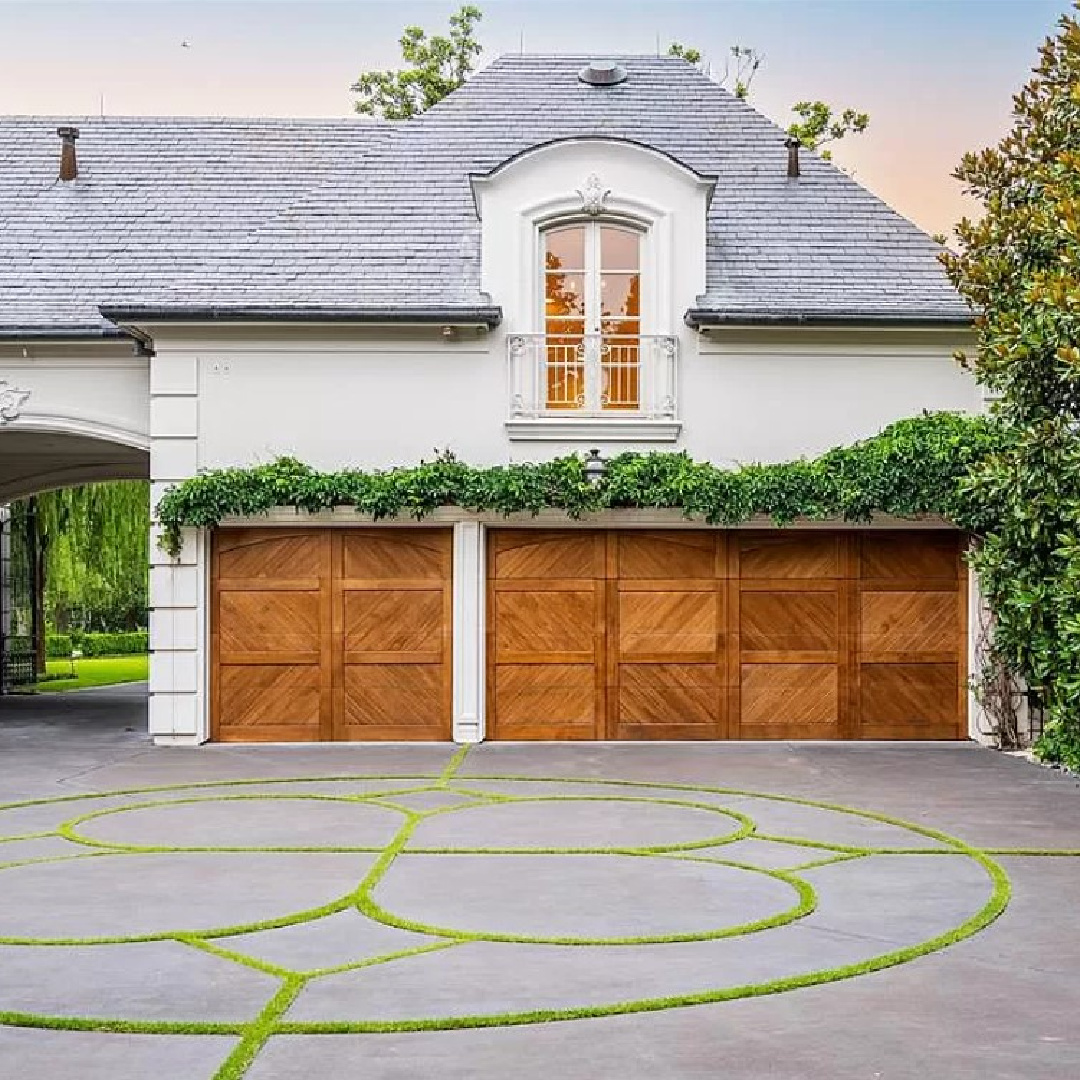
x: 914, y: 467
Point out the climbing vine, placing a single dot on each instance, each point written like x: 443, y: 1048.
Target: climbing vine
x: 913, y: 467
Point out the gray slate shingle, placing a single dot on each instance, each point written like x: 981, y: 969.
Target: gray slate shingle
x: 354, y: 213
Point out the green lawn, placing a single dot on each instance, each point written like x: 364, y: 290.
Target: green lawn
x: 95, y: 671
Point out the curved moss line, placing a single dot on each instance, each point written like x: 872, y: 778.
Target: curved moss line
x: 806, y: 902
x: 745, y: 829
x: 67, y: 829
x: 195, y: 785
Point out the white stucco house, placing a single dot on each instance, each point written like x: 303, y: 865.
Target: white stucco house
x: 558, y: 257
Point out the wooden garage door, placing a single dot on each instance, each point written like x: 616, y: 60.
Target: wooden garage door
x: 331, y: 634
x: 705, y: 635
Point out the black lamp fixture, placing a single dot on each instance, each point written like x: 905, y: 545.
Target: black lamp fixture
x: 594, y: 467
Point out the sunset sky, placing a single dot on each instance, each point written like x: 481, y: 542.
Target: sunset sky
x: 936, y: 76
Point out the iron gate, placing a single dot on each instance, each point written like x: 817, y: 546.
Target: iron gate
x: 17, y: 607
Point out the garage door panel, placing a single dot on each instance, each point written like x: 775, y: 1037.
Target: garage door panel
x: 268, y: 623
x: 917, y: 557
x: 908, y: 623
x: 790, y: 701
x: 794, y: 555
x: 909, y: 701
x: 667, y: 555
x: 667, y: 624
x: 789, y: 621
x: 536, y: 700
x: 277, y: 555
x: 391, y: 554
x: 384, y: 696
x: 669, y: 696
x: 271, y: 702
x: 394, y: 621
x: 546, y: 622
x: 541, y: 554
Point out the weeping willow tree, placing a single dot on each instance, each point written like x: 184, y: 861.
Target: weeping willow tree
x: 95, y: 540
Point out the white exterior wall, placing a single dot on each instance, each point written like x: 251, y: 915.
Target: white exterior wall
x: 336, y: 398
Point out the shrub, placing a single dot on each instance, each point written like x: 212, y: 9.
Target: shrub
x: 58, y: 646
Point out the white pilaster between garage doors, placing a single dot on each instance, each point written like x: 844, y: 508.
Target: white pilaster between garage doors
x: 177, y: 707
x: 469, y: 668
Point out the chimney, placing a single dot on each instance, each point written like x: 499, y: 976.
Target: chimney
x: 792, y: 145
x: 69, y: 166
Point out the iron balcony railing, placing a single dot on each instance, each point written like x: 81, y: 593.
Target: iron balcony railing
x: 592, y: 375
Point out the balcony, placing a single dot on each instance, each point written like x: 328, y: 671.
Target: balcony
x: 593, y: 386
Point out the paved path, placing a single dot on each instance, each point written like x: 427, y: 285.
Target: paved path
x: 662, y: 911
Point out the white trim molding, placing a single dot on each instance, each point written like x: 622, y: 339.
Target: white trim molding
x: 593, y: 430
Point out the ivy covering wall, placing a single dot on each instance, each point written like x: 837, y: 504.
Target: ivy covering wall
x: 914, y: 467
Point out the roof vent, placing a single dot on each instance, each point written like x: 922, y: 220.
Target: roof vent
x: 69, y: 166
x: 602, y: 73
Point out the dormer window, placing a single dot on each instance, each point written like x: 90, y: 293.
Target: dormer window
x: 592, y: 317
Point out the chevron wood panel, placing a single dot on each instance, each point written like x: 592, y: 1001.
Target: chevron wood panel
x: 790, y: 701
x: 668, y: 624
x: 908, y: 624
x: 392, y: 626
x: 387, y: 701
x: 267, y: 623
x: 396, y: 554
x: 668, y: 701
x: 546, y: 701
x: 393, y: 621
x: 266, y: 703
x: 538, y: 623
x: 270, y: 635
x: 542, y: 554
x: 910, y: 701
x: 917, y: 558
x: 274, y: 555
x: 789, y: 621
x: 789, y: 555
x: 665, y: 555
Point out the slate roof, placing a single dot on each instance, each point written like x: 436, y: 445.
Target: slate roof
x: 354, y: 216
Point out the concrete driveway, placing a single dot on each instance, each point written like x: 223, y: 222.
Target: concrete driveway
x: 592, y: 911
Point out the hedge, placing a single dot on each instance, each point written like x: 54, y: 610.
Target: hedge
x: 60, y: 646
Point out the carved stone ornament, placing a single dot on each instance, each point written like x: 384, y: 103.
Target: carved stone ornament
x: 11, y: 401
x: 593, y: 195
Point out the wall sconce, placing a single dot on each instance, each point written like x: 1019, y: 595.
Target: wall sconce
x: 595, y: 467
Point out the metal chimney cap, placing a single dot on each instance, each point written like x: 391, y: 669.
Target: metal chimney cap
x: 67, y: 132
x: 602, y: 73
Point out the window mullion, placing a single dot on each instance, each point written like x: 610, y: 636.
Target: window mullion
x: 593, y: 341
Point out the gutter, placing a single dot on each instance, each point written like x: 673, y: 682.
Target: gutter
x: 706, y: 319
x: 488, y: 316
x: 61, y: 333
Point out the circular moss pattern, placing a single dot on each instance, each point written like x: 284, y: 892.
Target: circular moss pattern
x: 595, y: 878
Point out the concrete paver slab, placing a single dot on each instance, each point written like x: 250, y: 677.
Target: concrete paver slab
x: 150, y: 980
x: 132, y: 895
x: 337, y: 939
x: 587, y: 896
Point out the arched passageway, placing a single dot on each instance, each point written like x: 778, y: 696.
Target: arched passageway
x: 34, y: 460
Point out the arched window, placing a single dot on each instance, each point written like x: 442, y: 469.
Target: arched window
x: 592, y: 317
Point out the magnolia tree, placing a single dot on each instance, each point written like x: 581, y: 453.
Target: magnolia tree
x: 1019, y: 267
